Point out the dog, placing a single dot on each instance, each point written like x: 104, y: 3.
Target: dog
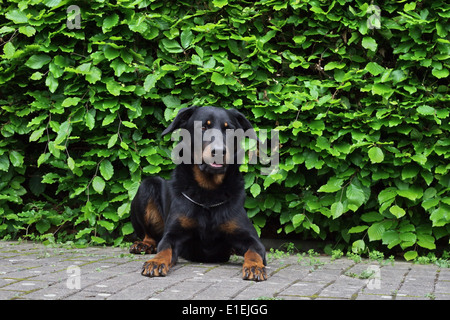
x: 199, y: 213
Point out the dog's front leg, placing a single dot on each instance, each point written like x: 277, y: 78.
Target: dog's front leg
x: 166, y: 257
x: 254, y: 267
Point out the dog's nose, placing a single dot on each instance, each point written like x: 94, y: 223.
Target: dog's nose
x: 219, y: 151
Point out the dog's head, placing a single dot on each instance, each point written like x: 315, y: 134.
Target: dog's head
x: 215, y: 136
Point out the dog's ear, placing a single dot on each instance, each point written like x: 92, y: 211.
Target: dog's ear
x: 244, y: 123
x: 180, y: 120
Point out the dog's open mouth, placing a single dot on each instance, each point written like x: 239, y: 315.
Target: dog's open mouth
x: 214, y: 168
x: 216, y: 165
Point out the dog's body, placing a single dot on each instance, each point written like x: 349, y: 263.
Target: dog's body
x: 199, y: 213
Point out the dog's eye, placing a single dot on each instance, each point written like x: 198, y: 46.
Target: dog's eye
x: 206, y: 125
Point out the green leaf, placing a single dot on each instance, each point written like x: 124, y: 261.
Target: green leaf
x: 358, y: 246
x: 123, y: 145
x: 110, y: 52
x: 186, y: 38
x: 139, y: 23
x: 398, y: 76
x: 94, y: 75
x: 172, y: 46
x: 150, y: 82
x: 426, y: 241
x: 37, y: 134
x: 387, y: 194
x: 170, y: 102
x: 108, y: 225
x: 390, y: 238
x: 376, y: 155
x: 127, y: 229
x: 220, y: 3
x: 409, y: 6
x: 410, y: 255
x: 106, y: 169
x: 334, y: 184
x: 90, y: 118
x: 426, y: 110
x: 408, y: 237
x: 337, y: 209
x: 440, y: 74
x: 42, y: 158
x: 37, y: 61
x: 297, y: 220
x: 113, y: 87
x: 29, y: 31
x: 9, y: 50
x: 109, y: 119
x: 112, y: 140
x: 410, y: 171
x: 382, y: 89
x: 358, y: 229
x: 376, y: 231
x: 63, y: 132
x: 51, y: 82
x: 255, y: 190
x: 355, y: 196
x: 16, y: 16
x: 397, y: 211
x: 71, y: 163
x: 99, y: 184
x: 412, y: 193
x: 217, y: 78
x: 123, y: 209
x: 42, y: 225
x: 50, y: 178
x: 440, y: 216
x: 315, y: 228
x: 4, y: 163
x: 129, y: 124
x: 419, y: 158
x: 16, y: 158
x: 68, y: 102
x: 109, y: 22
x: 334, y: 65
x: 97, y: 240
x: 374, y: 68
x: 369, y: 43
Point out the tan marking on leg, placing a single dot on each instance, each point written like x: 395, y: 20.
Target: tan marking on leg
x: 153, y: 217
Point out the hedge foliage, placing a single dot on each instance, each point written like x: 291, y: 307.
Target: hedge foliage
x: 358, y: 92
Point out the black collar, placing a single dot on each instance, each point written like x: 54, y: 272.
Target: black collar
x: 203, y: 205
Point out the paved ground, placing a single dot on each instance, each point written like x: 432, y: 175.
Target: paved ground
x: 34, y: 271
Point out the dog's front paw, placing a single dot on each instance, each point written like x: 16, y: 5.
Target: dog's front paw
x: 159, y: 265
x: 142, y: 247
x: 154, y: 268
x: 253, y: 268
x: 254, y: 272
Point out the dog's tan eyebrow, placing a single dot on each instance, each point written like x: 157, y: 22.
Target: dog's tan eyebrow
x: 226, y: 124
x: 208, y: 122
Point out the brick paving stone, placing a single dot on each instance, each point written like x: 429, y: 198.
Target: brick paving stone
x: 33, y: 271
x: 222, y: 290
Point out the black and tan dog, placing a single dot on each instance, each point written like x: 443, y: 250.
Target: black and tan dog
x: 199, y: 213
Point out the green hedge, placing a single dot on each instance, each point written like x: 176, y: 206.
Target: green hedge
x: 358, y: 92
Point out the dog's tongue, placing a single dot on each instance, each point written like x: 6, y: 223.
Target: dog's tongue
x: 216, y: 165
